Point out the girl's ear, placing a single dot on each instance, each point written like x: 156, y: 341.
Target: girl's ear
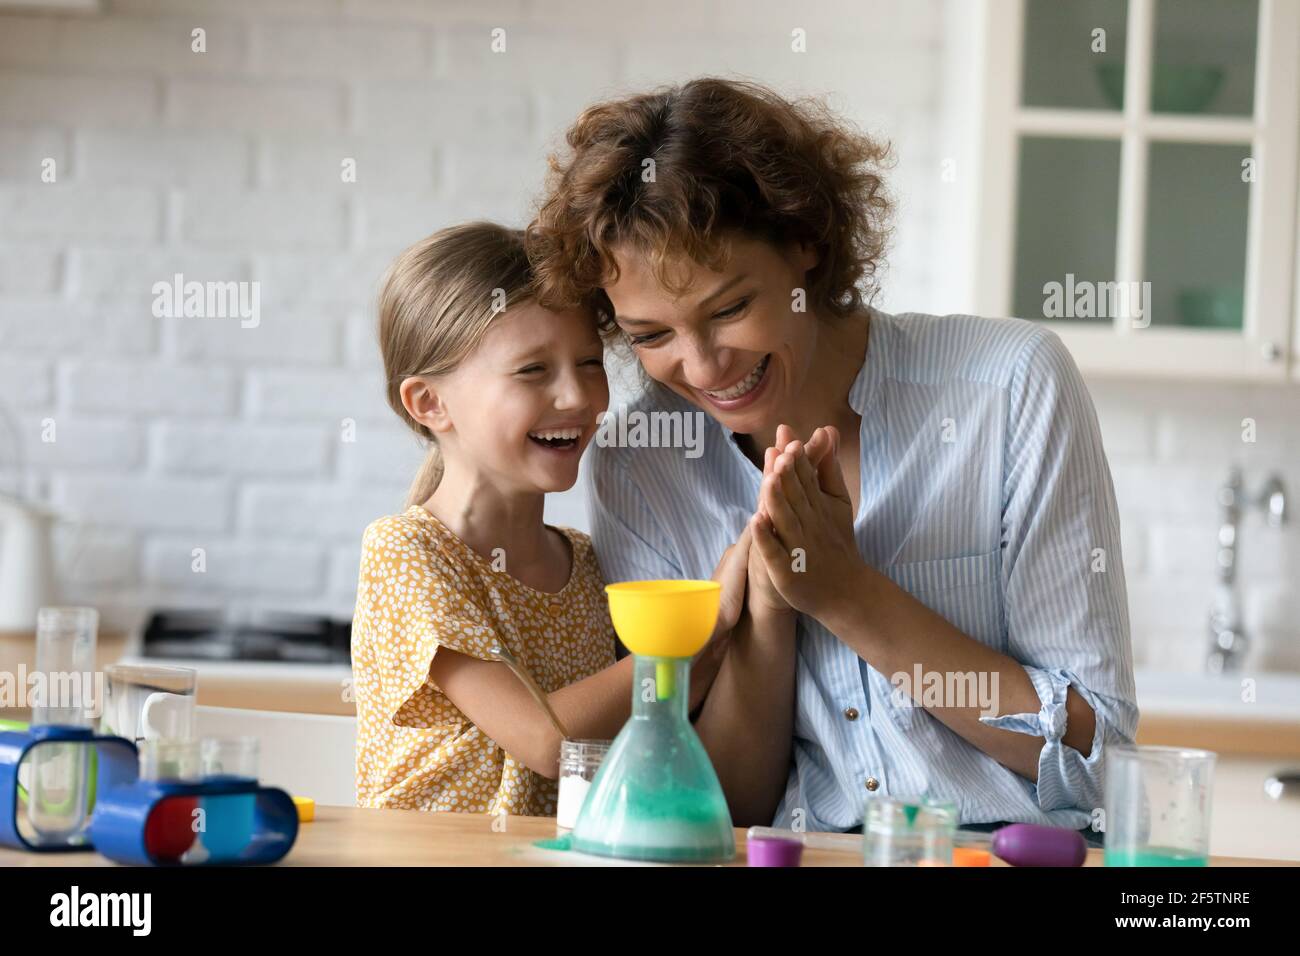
x: 423, y: 403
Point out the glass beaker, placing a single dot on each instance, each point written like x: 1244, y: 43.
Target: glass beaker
x: 149, y: 702
x: 228, y: 818
x: 1158, y: 806
x: 908, y: 832
x: 59, y: 774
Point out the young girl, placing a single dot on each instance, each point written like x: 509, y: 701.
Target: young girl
x: 508, y: 395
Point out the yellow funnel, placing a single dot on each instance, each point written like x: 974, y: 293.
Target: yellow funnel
x: 664, y: 618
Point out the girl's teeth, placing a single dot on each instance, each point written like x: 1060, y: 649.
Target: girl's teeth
x: 557, y: 434
x: 740, y: 388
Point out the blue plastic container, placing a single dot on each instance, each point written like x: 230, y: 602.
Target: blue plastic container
x: 114, y: 764
x: 241, y: 822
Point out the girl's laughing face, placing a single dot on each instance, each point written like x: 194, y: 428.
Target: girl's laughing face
x: 522, y: 408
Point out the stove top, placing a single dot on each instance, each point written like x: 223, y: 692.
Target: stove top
x: 247, y: 636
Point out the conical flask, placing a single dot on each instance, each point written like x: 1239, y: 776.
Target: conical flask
x: 656, y: 795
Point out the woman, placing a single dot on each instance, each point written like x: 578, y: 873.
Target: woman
x: 946, y: 545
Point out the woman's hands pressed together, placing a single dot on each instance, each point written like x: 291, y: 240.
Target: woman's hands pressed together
x: 803, y: 529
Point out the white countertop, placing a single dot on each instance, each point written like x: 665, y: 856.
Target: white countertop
x: 1241, y: 696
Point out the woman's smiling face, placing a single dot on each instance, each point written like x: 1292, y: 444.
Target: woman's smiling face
x: 732, y: 343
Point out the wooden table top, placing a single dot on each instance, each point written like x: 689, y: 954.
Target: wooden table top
x: 349, y: 836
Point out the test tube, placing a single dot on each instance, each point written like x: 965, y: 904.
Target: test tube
x: 228, y: 818
x: 65, y: 659
x: 58, y: 800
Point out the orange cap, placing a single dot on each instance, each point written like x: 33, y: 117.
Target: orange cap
x: 970, y: 856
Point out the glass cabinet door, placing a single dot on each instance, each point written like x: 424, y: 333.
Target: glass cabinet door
x: 1197, y: 212
x: 1152, y: 196
x: 1204, y: 58
x: 1066, y: 221
x: 1067, y: 63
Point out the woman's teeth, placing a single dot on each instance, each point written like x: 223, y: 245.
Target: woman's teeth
x: 744, y: 385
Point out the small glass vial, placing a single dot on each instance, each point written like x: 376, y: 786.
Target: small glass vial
x: 229, y: 818
x: 229, y: 757
x: 579, y: 761
x: 169, y: 759
x: 908, y: 832
x: 170, y: 831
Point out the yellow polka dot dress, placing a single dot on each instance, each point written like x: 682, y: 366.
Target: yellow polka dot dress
x: 422, y: 588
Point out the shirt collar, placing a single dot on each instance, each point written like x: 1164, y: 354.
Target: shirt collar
x: 862, y: 394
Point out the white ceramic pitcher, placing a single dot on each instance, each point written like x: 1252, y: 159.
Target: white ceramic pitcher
x: 26, y: 563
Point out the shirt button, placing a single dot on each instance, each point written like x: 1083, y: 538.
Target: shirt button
x: 850, y: 713
x: 555, y: 610
x: 873, y: 784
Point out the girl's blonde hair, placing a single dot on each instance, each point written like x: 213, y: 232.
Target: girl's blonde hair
x: 435, y: 305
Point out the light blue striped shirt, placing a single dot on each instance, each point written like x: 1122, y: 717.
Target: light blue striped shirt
x: 986, y: 495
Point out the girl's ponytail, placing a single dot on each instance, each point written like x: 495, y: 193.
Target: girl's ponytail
x: 427, y: 478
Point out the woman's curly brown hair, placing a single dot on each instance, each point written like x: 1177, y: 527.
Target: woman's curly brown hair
x: 727, y: 155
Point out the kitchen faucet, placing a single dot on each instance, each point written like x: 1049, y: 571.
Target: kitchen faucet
x: 1228, y: 640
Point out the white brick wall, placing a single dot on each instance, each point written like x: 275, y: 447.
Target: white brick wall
x: 175, y: 434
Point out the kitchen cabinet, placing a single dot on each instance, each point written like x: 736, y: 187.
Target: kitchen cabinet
x: 1138, y: 170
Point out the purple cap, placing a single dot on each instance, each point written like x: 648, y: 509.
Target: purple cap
x: 767, y: 851
x: 1032, y: 844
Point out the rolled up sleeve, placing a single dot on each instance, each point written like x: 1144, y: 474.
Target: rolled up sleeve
x: 1063, y: 574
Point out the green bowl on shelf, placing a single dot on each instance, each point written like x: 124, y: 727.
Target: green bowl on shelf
x: 1211, y: 307
x: 1174, y: 88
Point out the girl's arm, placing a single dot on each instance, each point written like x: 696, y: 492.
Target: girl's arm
x: 495, y: 700
x: 594, y: 708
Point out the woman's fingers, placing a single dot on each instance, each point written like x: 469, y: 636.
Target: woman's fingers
x: 828, y: 472
x: 807, y: 476
x: 773, y: 501
x: 787, y: 468
x: 818, y: 445
x: 776, y: 559
x: 784, y: 435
